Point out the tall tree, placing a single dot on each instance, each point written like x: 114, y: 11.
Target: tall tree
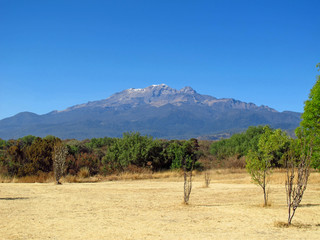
x: 304, y: 151
x: 310, y: 124
x: 259, y: 163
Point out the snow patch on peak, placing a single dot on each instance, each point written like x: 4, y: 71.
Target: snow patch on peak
x: 136, y: 89
x: 159, y: 86
x: 155, y: 86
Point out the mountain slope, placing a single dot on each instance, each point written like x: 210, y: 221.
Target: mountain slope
x: 157, y: 110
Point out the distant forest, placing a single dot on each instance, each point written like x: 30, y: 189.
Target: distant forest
x: 32, y: 155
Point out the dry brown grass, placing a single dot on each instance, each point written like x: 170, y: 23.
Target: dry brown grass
x: 40, y: 178
x: 151, y: 209
x: 172, y: 175
x: 228, y: 175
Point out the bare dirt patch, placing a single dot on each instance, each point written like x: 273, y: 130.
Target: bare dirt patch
x: 230, y: 208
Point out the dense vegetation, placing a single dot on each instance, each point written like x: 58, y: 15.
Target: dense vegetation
x: 238, y: 144
x: 244, y: 144
x: 32, y: 155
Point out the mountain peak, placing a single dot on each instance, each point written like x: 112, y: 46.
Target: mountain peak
x: 161, y: 94
x: 158, y: 110
x: 188, y: 90
x: 152, y: 87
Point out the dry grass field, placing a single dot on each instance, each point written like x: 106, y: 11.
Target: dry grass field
x: 152, y: 209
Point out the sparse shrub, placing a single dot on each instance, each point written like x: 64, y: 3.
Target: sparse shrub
x: 84, y: 172
x: 71, y: 179
x: 187, y: 174
x: 89, y: 160
x: 59, y: 161
x: 188, y: 163
x: 299, y: 159
x: 207, y: 174
x: 207, y: 178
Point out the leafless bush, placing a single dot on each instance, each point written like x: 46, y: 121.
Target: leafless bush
x: 207, y: 173
x: 59, y: 160
x: 296, y: 185
x: 187, y: 186
x: 207, y: 178
x: 187, y: 173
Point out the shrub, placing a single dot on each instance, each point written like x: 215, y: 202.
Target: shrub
x: 59, y: 160
x: 84, y: 172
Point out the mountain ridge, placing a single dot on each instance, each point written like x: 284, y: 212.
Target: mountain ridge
x: 157, y: 110
x: 162, y: 94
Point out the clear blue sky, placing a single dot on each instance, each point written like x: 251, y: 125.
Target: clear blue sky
x: 58, y: 53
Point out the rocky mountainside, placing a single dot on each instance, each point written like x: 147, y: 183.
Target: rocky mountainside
x: 160, y: 95
x: 157, y: 110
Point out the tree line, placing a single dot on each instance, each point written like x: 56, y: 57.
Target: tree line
x: 32, y: 155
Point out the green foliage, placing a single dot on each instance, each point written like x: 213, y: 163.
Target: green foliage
x: 176, y: 153
x: 143, y: 151
x: 257, y: 167
x: 238, y: 144
x: 311, y: 115
x: 33, y: 155
x: 96, y: 143
x: 184, y: 152
x: 3, y: 143
x: 28, y: 140
x: 157, y: 157
x: 310, y: 124
x: 272, y: 145
x: 132, y: 148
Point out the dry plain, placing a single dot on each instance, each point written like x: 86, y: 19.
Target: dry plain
x: 230, y: 208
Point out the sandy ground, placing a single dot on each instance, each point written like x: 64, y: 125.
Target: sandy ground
x: 153, y: 209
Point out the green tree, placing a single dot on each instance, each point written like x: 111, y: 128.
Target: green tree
x: 183, y: 154
x: 238, y: 144
x: 132, y: 148
x: 28, y: 140
x: 310, y: 124
x: 272, y: 145
x: 157, y: 155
